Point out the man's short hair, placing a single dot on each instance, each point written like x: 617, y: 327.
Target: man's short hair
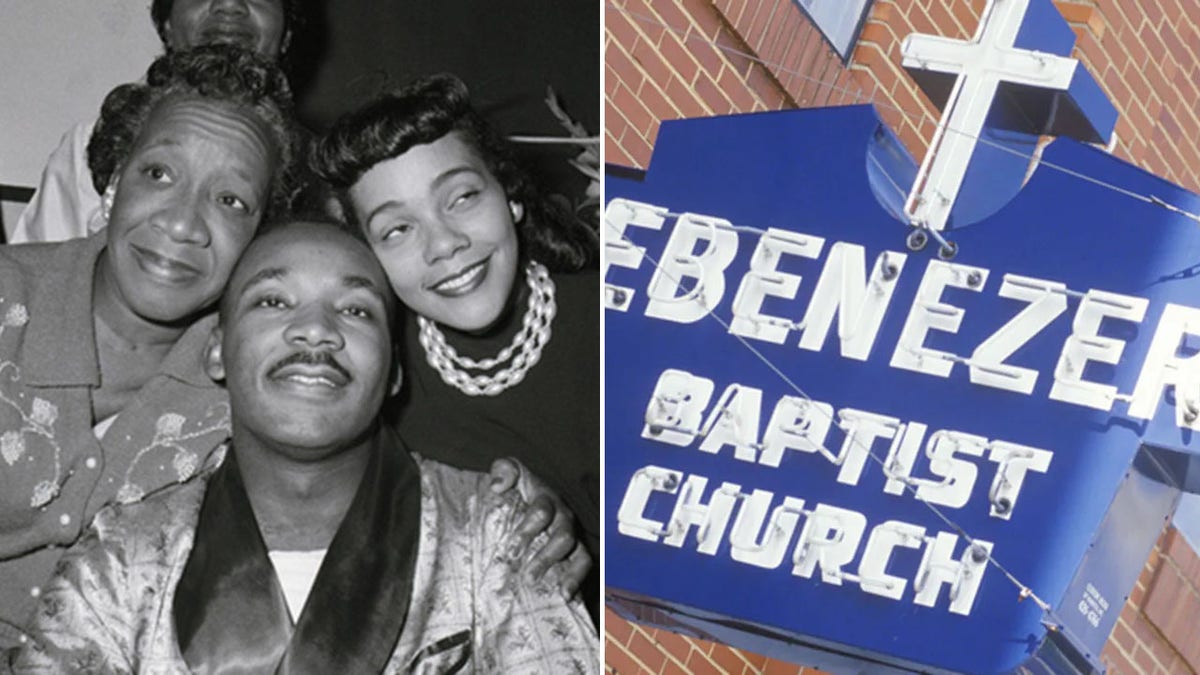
x: 223, y: 73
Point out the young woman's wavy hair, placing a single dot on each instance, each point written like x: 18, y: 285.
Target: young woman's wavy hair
x: 223, y: 73
x: 423, y: 112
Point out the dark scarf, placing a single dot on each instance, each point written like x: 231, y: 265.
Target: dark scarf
x: 230, y: 613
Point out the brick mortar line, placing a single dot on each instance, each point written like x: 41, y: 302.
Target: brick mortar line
x: 647, y: 79
x: 661, y: 647
x: 756, y: 59
x: 621, y: 113
x: 727, y: 61
x: 1190, y: 583
x: 1160, y: 637
x: 642, y: 664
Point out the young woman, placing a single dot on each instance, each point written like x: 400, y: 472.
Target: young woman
x: 501, y: 346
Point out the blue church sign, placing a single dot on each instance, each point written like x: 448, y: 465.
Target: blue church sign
x: 827, y: 444
x: 816, y: 436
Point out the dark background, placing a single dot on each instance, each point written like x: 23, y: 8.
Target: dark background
x: 507, y: 52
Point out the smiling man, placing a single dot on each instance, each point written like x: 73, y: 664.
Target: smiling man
x: 319, y: 544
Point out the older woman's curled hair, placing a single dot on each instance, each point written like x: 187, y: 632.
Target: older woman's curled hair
x: 222, y: 73
x: 423, y: 112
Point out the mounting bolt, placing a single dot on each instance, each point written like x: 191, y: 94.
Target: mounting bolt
x: 948, y: 251
x: 917, y: 239
x: 974, y: 279
x: 978, y: 553
x: 1002, y: 505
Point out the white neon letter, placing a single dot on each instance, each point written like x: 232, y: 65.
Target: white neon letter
x: 646, y: 481
x: 1045, y: 304
x: 958, y: 475
x: 862, y: 429
x: 795, y: 424
x: 930, y: 313
x: 734, y: 421
x: 901, y: 456
x: 860, y: 305
x: 676, y: 406
x: 767, y: 550
x: 710, y: 519
x: 764, y: 279
x: 1086, y: 344
x: 938, y: 567
x: 830, y: 537
x: 1013, y: 461
x: 619, y: 214
x: 884, y: 539
x: 1164, y: 367
x: 679, y: 263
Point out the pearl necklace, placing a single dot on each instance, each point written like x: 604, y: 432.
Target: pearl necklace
x: 525, y: 350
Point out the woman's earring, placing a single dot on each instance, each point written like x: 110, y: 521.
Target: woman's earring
x: 106, y: 201
x: 517, y: 209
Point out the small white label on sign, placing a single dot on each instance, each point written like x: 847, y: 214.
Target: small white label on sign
x: 1093, y: 606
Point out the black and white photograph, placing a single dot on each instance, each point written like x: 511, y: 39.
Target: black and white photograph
x: 300, y: 340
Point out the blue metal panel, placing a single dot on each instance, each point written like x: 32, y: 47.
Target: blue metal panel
x: 806, y: 171
x: 1045, y: 30
x: 1117, y: 554
x: 998, y: 167
x: 1092, y: 115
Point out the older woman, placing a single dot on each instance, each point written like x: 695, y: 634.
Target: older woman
x: 501, y: 352
x: 65, y: 206
x: 103, y: 395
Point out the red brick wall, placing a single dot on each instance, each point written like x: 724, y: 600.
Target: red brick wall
x: 688, y: 58
x: 1158, y: 632
x: 632, y: 649
x: 666, y: 59
x: 1144, y: 54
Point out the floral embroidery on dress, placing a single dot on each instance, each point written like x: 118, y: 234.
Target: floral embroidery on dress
x: 169, y: 436
x: 43, y: 492
x: 169, y: 426
x: 130, y: 493
x: 39, y: 419
x: 185, y: 464
x: 44, y: 412
x: 12, y: 446
x: 16, y: 316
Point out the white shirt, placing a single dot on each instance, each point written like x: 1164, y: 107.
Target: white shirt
x: 66, y: 204
x: 297, y: 570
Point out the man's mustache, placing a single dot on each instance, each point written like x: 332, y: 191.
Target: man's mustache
x: 311, y: 358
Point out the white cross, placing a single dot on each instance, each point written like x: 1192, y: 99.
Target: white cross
x: 980, y: 65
